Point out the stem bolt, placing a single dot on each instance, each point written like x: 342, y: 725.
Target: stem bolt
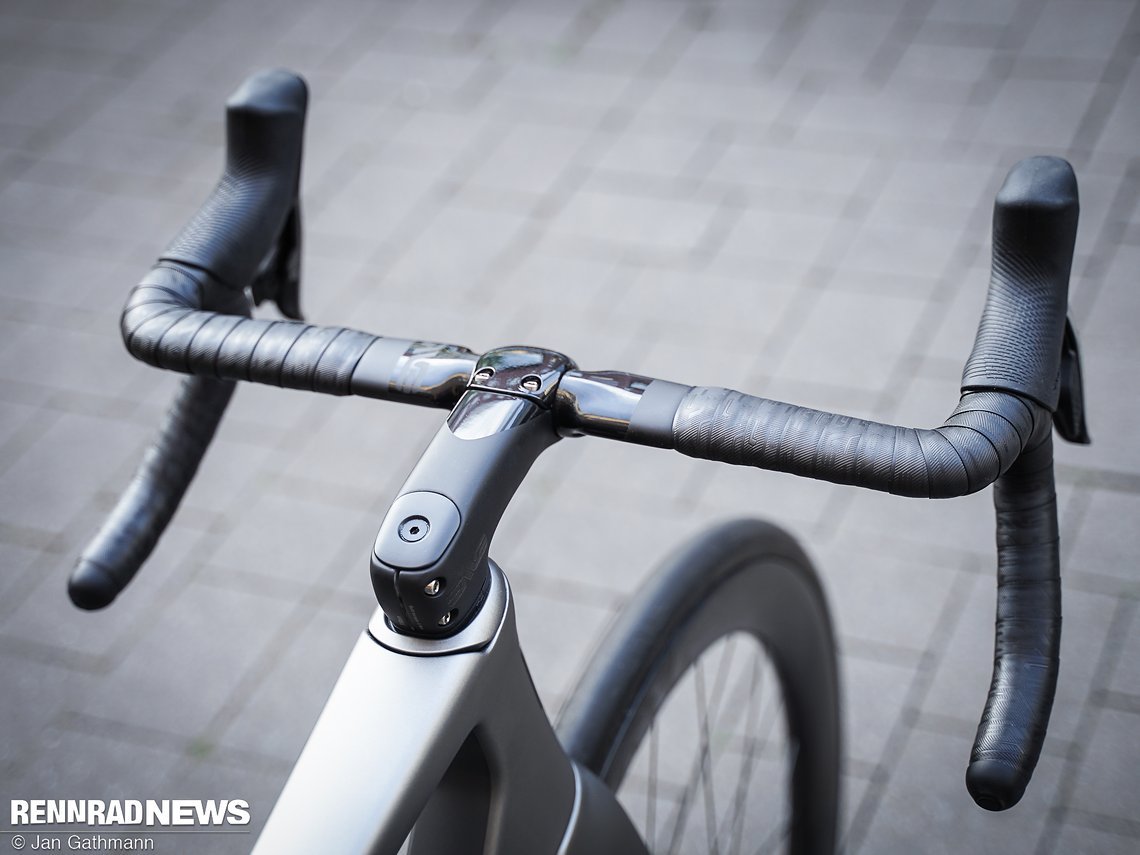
x: 433, y: 587
x: 531, y: 383
x: 446, y: 619
x: 413, y: 529
x: 483, y: 375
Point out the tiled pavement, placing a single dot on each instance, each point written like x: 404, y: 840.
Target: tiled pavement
x: 791, y: 198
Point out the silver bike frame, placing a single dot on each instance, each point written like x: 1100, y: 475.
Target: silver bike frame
x: 449, y: 736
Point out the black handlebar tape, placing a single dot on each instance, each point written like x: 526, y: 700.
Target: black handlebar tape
x: 129, y: 534
x: 238, y: 225
x: 1018, y: 346
x: 163, y: 324
x: 1028, y: 637
x: 979, y: 441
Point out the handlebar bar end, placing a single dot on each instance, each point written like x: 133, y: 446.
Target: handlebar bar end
x: 994, y: 785
x: 91, y: 587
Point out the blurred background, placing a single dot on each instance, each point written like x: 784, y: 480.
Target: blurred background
x: 789, y: 198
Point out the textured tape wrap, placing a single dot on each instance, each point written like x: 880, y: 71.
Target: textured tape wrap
x: 1028, y: 638
x: 990, y: 437
x: 129, y: 534
x: 1018, y: 346
x: 163, y: 325
x: 980, y: 440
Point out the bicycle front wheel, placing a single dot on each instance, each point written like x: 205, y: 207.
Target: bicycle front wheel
x: 729, y: 655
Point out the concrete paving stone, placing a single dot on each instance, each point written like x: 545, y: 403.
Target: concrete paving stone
x: 723, y: 312
x: 432, y: 141
x: 861, y: 586
x: 280, y: 711
x: 548, y: 25
x: 16, y: 561
x: 885, y: 118
x: 557, y: 637
x: 720, y: 45
x: 962, y: 299
x: 835, y: 177
x: 34, y: 100
x: 39, y: 206
x: 35, y: 694
x: 1122, y: 124
x: 42, y: 490
x: 872, y: 695
x: 1105, y: 783
x: 363, y: 445
x: 124, y: 215
x: 114, y: 36
x: 742, y: 491
x: 1081, y: 840
x: 637, y: 25
x: 784, y: 236
x: 570, y: 283
x: 841, y: 40
x: 853, y: 790
x: 286, y: 536
x: 923, y: 60
x: 656, y: 154
x: 1112, y: 398
x: 621, y: 472
x: 81, y: 765
x: 695, y: 362
x: 1071, y: 29
x: 212, y: 778
x: 980, y: 12
x: 925, y: 791
x: 917, y: 252
x: 740, y: 100
x: 1102, y: 544
x: 528, y: 158
x: 14, y: 421
x: 373, y: 204
x: 866, y: 351
x: 1125, y: 677
x: 457, y: 246
x: 670, y: 227
x: 416, y: 79
x: 957, y: 188
x: 963, y: 677
x: 964, y: 524
x: 1048, y: 112
x: 1108, y: 326
x: 331, y: 28
x: 45, y: 617
x: 604, y: 548
x: 190, y: 660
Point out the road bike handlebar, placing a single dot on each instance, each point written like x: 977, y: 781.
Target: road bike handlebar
x: 191, y: 314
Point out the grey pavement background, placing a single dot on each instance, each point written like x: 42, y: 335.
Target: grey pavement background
x: 791, y: 198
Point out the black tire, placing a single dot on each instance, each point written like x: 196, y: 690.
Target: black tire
x: 742, y: 577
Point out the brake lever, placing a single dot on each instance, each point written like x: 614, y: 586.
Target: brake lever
x: 1069, y: 417
x: 278, y: 279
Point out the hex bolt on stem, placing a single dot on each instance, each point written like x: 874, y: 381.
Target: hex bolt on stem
x: 413, y: 529
x: 531, y: 383
x: 433, y: 587
x: 446, y: 619
x: 483, y: 375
